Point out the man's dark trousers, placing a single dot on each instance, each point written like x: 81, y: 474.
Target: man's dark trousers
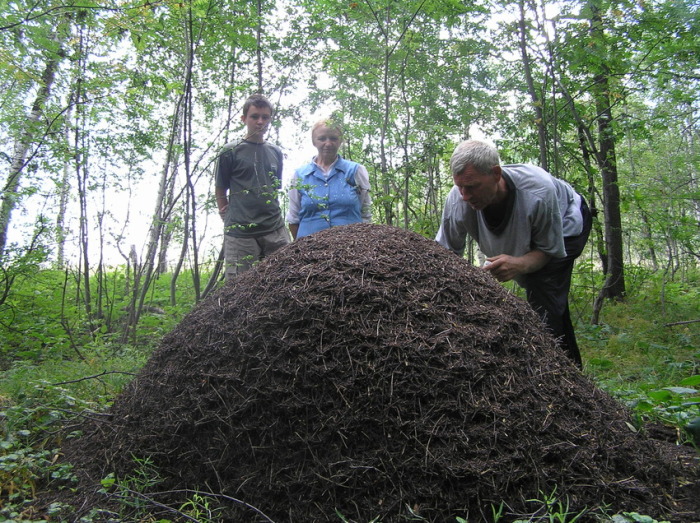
x: 547, y: 289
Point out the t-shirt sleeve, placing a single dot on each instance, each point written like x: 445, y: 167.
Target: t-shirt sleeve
x: 280, y: 168
x: 453, y: 230
x: 294, y: 197
x: 222, y: 169
x: 362, y: 183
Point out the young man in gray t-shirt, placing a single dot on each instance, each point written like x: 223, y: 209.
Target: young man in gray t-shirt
x: 248, y: 178
x: 530, y: 225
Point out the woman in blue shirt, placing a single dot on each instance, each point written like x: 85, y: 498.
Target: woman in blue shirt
x: 330, y: 190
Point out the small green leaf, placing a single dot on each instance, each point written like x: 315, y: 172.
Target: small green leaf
x: 681, y: 390
x: 691, y: 381
x: 660, y: 395
x: 108, y: 481
x: 644, y: 406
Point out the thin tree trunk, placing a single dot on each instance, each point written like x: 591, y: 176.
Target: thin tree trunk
x: 258, y: 49
x: 537, y: 101
x: 190, y: 205
x: 9, y: 196
x: 167, y: 230
x: 647, y: 231
x: 63, y: 194
x: 599, y: 237
x: 432, y: 211
x: 607, y: 159
x: 231, y: 103
x: 80, y: 155
x: 144, y: 271
x: 81, y: 174
x: 406, y: 159
x: 101, y: 276
x: 214, y: 277
x: 386, y: 104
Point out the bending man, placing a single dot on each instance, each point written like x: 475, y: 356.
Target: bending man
x: 530, y: 225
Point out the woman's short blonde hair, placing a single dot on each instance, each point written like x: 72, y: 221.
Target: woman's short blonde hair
x: 335, y: 125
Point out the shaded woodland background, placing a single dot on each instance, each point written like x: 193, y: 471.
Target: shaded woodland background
x: 115, y: 111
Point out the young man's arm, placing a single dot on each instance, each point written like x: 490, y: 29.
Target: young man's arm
x: 221, y: 200
x: 294, y: 229
x: 221, y: 170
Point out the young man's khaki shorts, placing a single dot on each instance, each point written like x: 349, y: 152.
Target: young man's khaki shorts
x: 242, y: 253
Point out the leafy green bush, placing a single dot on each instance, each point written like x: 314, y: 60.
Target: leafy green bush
x: 46, y: 316
x: 30, y: 447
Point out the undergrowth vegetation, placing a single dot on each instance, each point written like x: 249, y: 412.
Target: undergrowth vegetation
x: 59, y: 362
x: 646, y: 351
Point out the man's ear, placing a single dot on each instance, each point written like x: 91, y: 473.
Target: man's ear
x: 497, y: 172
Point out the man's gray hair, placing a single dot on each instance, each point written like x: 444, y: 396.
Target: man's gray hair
x: 481, y: 156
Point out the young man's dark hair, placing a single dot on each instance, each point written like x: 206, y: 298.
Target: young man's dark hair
x: 257, y: 100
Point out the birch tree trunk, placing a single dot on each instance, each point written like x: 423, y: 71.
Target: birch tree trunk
x: 63, y: 194
x: 9, y: 196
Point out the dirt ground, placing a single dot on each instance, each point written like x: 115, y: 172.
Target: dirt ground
x: 366, y: 371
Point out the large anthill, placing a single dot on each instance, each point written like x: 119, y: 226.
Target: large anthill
x: 367, y: 371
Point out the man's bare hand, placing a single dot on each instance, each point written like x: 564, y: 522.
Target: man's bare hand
x: 505, y: 267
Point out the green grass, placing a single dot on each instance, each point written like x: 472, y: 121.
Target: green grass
x: 646, y: 350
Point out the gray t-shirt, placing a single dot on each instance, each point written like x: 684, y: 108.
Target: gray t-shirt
x: 544, y: 210
x: 252, y: 174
